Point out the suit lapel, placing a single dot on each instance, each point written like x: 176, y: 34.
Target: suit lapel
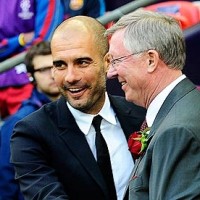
x: 130, y: 117
x: 76, y: 142
x: 180, y: 90
x: 75, y: 139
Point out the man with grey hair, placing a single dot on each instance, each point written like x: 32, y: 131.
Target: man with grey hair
x: 147, y: 52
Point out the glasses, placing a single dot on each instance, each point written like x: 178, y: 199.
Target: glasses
x: 117, y: 61
x: 43, y: 70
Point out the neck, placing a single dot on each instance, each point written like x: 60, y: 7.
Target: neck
x: 161, y: 82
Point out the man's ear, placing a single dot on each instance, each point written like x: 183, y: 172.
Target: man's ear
x: 153, y: 58
x: 107, y: 59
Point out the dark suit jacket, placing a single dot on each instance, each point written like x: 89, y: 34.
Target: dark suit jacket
x: 52, y: 157
x: 170, y: 168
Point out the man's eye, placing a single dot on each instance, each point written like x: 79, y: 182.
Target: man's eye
x: 43, y: 69
x: 83, y: 63
x: 114, y: 62
x: 59, y: 66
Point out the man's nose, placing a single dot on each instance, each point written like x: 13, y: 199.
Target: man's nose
x: 112, y: 73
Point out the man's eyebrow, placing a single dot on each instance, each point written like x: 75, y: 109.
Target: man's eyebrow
x: 59, y: 62
x: 83, y: 58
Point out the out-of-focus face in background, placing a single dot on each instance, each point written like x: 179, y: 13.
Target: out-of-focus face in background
x: 42, y: 74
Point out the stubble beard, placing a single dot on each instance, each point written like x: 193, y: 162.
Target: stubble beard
x: 86, y: 105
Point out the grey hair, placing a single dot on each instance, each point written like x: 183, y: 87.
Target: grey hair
x: 146, y: 30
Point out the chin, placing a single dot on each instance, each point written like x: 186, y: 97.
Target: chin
x: 128, y: 99
x: 131, y: 99
x: 77, y: 104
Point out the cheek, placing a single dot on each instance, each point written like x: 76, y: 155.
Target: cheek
x: 91, y: 78
x: 131, y: 76
x: 42, y: 79
x: 58, y: 77
x: 125, y: 72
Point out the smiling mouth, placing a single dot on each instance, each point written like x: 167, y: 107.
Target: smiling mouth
x: 122, y: 83
x: 75, y: 90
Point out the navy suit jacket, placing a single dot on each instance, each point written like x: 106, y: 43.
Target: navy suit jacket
x: 52, y: 157
x: 170, y: 168
x: 9, y: 188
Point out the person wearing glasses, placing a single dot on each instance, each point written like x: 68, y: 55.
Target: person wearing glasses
x: 148, y: 62
x: 58, y: 150
x: 39, y: 64
x: 23, y: 23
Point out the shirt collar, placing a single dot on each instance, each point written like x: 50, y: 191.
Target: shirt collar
x: 156, y: 104
x: 84, y: 120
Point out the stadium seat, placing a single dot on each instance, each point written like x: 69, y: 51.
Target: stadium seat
x: 187, y: 13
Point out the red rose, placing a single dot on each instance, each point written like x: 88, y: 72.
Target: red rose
x: 134, y: 144
x: 138, y: 142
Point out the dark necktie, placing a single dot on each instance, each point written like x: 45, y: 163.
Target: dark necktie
x: 103, y: 158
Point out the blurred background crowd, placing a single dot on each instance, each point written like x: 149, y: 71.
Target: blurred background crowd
x: 27, y: 22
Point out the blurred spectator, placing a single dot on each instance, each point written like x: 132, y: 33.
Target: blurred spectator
x: 39, y: 62
x: 92, y: 8
x: 22, y: 24
x: 187, y: 13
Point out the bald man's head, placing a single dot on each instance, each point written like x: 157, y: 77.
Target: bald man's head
x: 83, y: 25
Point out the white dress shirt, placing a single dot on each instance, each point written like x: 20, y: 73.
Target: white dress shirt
x: 156, y: 104
x: 121, y: 159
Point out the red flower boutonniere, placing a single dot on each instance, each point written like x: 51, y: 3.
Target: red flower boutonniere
x: 137, y: 142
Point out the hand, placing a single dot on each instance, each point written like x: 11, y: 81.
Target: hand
x: 28, y: 37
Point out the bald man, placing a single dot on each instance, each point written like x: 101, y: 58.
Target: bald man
x: 53, y: 149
